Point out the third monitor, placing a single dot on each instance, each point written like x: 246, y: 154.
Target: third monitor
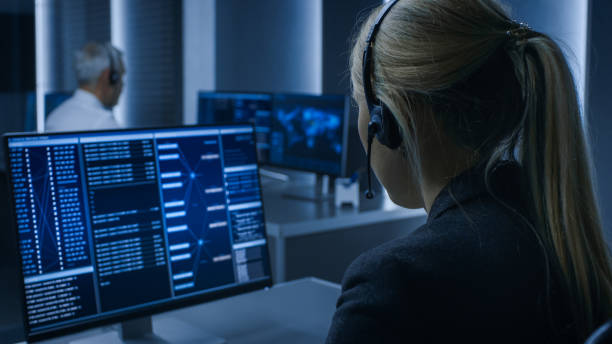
x: 296, y: 131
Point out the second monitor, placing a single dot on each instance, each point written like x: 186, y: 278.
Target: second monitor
x: 239, y: 107
x: 297, y: 131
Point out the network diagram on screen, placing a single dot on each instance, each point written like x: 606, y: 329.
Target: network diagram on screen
x: 113, y: 221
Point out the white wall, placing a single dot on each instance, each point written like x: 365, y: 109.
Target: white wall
x: 44, y: 32
x: 198, y: 53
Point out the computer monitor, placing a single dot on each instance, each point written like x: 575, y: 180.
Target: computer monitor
x: 236, y: 107
x: 121, y: 224
x: 309, y: 132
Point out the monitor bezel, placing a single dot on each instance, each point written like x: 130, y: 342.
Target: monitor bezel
x: 345, y: 126
x: 149, y: 310
x: 203, y: 93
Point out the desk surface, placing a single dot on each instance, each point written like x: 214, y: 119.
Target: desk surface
x: 294, y: 312
x: 295, y: 216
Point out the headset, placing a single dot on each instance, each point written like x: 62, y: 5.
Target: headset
x: 382, y: 123
x: 113, y: 75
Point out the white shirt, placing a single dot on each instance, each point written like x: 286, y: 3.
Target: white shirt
x: 82, y: 111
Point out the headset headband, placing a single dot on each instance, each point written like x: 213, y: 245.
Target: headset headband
x: 113, y: 76
x: 367, y: 55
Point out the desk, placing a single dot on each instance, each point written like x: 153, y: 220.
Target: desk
x: 309, y: 238
x: 294, y: 312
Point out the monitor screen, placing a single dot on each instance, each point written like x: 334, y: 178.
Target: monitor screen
x: 309, y: 132
x: 132, y: 222
x: 234, y: 107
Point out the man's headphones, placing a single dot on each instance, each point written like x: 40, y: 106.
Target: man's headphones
x: 113, y: 75
x: 382, y: 122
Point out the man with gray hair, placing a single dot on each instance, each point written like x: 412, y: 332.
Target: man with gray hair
x: 99, y: 69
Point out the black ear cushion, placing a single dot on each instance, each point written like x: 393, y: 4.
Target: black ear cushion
x: 113, y: 77
x: 389, y: 135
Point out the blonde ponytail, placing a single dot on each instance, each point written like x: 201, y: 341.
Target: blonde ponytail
x: 555, y: 157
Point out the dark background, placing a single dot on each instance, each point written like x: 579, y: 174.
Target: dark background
x: 599, y: 105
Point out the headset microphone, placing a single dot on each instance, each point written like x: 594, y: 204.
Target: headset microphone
x: 373, y: 128
x: 383, y: 124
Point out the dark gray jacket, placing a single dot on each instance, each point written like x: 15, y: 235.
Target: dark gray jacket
x: 474, y: 272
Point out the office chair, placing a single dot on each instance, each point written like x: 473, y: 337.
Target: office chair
x: 55, y: 99
x: 602, y: 335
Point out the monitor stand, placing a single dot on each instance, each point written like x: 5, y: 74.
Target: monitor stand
x: 140, y: 331
x: 321, y: 191
x: 281, y: 177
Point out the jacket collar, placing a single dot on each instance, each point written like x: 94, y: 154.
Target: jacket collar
x: 505, y: 181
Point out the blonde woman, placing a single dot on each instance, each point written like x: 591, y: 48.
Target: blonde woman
x: 474, y: 117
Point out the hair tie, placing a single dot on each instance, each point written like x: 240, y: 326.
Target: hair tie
x: 520, y: 33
